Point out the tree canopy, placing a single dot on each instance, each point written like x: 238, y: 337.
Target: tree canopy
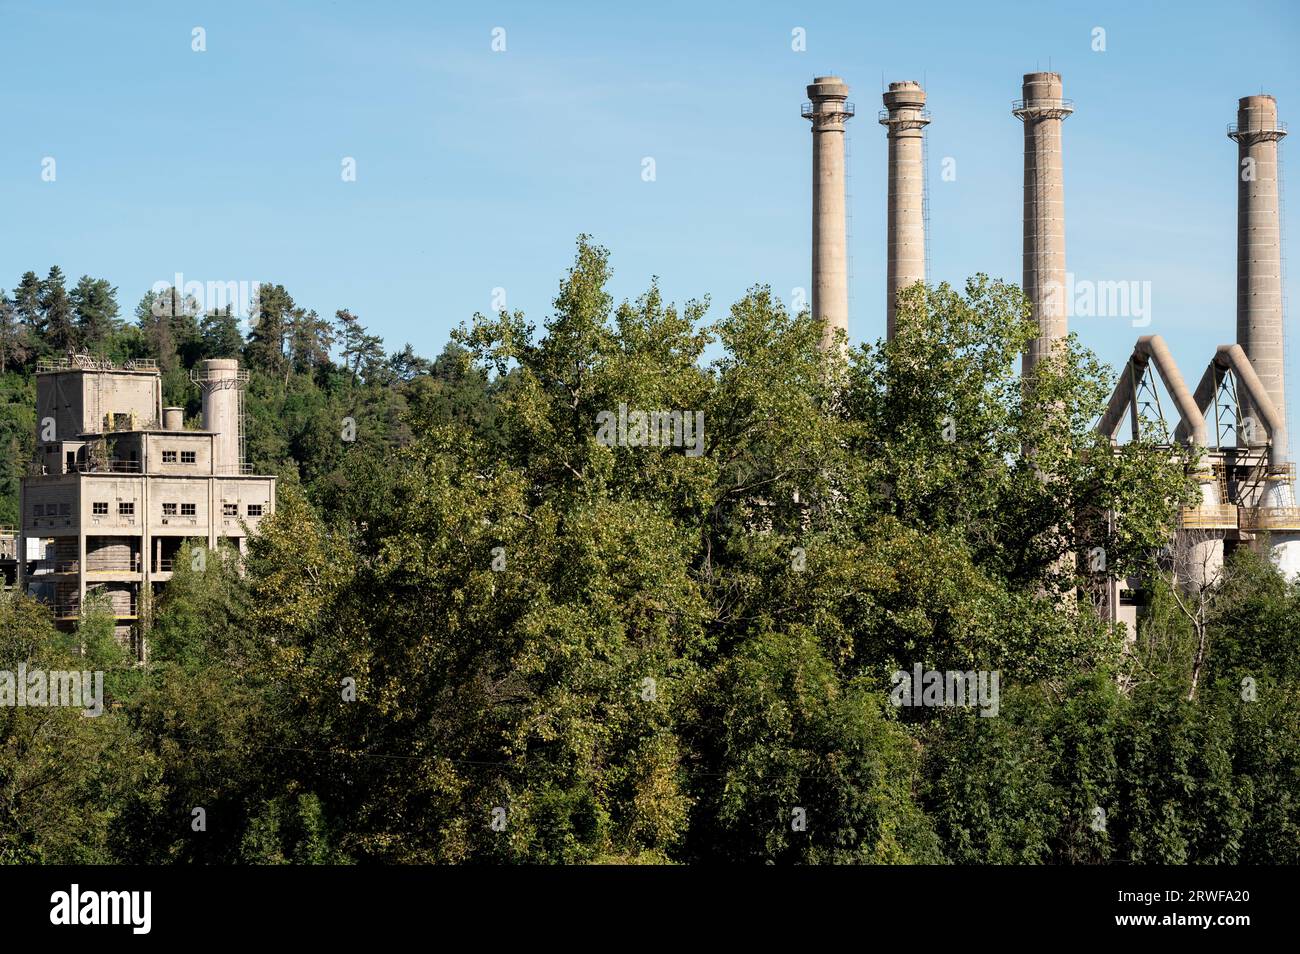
x: 475, y: 631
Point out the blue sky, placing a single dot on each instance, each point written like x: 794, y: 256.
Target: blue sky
x: 477, y: 169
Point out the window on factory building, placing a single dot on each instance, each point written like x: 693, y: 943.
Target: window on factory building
x: 99, y: 508
x: 230, y: 510
x: 188, y: 457
x: 169, y: 457
x: 126, y: 509
x: 188, y: 510
x: 38, y: 510
x: 254, y: 510
x: 169, y: 510
x: 65, y: 510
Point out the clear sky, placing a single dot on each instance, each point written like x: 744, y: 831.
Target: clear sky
x: 477, y: 169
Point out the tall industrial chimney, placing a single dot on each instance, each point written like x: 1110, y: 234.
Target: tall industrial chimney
x: 905, y: 119
x: 222, y: 385
x: 828, y: 110
x: 1042, y: 110
x: 1259, y: 246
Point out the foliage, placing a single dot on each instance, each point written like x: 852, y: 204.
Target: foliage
x: 474, y: 631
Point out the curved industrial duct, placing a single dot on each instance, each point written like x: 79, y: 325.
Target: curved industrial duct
x: 1232, y: 357
x: 1151, y: 349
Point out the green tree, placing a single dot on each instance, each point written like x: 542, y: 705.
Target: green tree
x: 94, y: 305
x: 265, y: 349
x: 27, y: 307
x: 57, y: 326
x: 65, y: 780
x: 13, y: 336
x: 221, y: 335
x: 309, y: 339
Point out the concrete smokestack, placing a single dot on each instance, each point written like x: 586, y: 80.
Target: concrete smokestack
x: 222, y: 384
x: 1259, y: 247
x: 1042, y: 110
x: 905, y: 119
x: 828, y: 110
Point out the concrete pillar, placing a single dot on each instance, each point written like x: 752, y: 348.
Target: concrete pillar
x: 1200, y: 551
x: 81, y: 571
x: 904, y: 118
x: 1259, y: 245
x: 828, y: 110
x: 1042, y: 110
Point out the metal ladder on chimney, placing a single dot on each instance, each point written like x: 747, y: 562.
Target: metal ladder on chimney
x: 848, y: 218
x: 1288, y: 370
x: 925, y: 202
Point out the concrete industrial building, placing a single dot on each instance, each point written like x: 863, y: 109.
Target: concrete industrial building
x: 119, y: 483
x: 1236, y: 416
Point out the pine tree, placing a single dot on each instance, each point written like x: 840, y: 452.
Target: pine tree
x: 362, y: 352
x: 155, y: 326
x: 265, y: 348
x: 56, y: 313
x: 408, y: 365
x: 310, y: 339
x: 94, y: 301
x: 220, y: 334
x: 27, y: 305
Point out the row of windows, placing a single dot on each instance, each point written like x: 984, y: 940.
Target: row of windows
x: 168, y: 456
x: 232, y: 510
x: 127, y: 509
x: 52, y: 510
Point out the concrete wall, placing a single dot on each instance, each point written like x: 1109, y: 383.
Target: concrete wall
x: 56, y: 492
x: 78, y: 400
x: 249, y: 491
x: 112, y: 490
x: 165, y: 493
x: 73, y: 498
x: 181, y: 441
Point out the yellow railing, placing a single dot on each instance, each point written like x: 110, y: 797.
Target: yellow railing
x: 1210, y: 517
x: 1270, y: 518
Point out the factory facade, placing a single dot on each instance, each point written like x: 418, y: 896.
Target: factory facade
x: 119, y: 483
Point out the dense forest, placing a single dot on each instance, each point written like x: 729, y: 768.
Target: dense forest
x: 477, y: 633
